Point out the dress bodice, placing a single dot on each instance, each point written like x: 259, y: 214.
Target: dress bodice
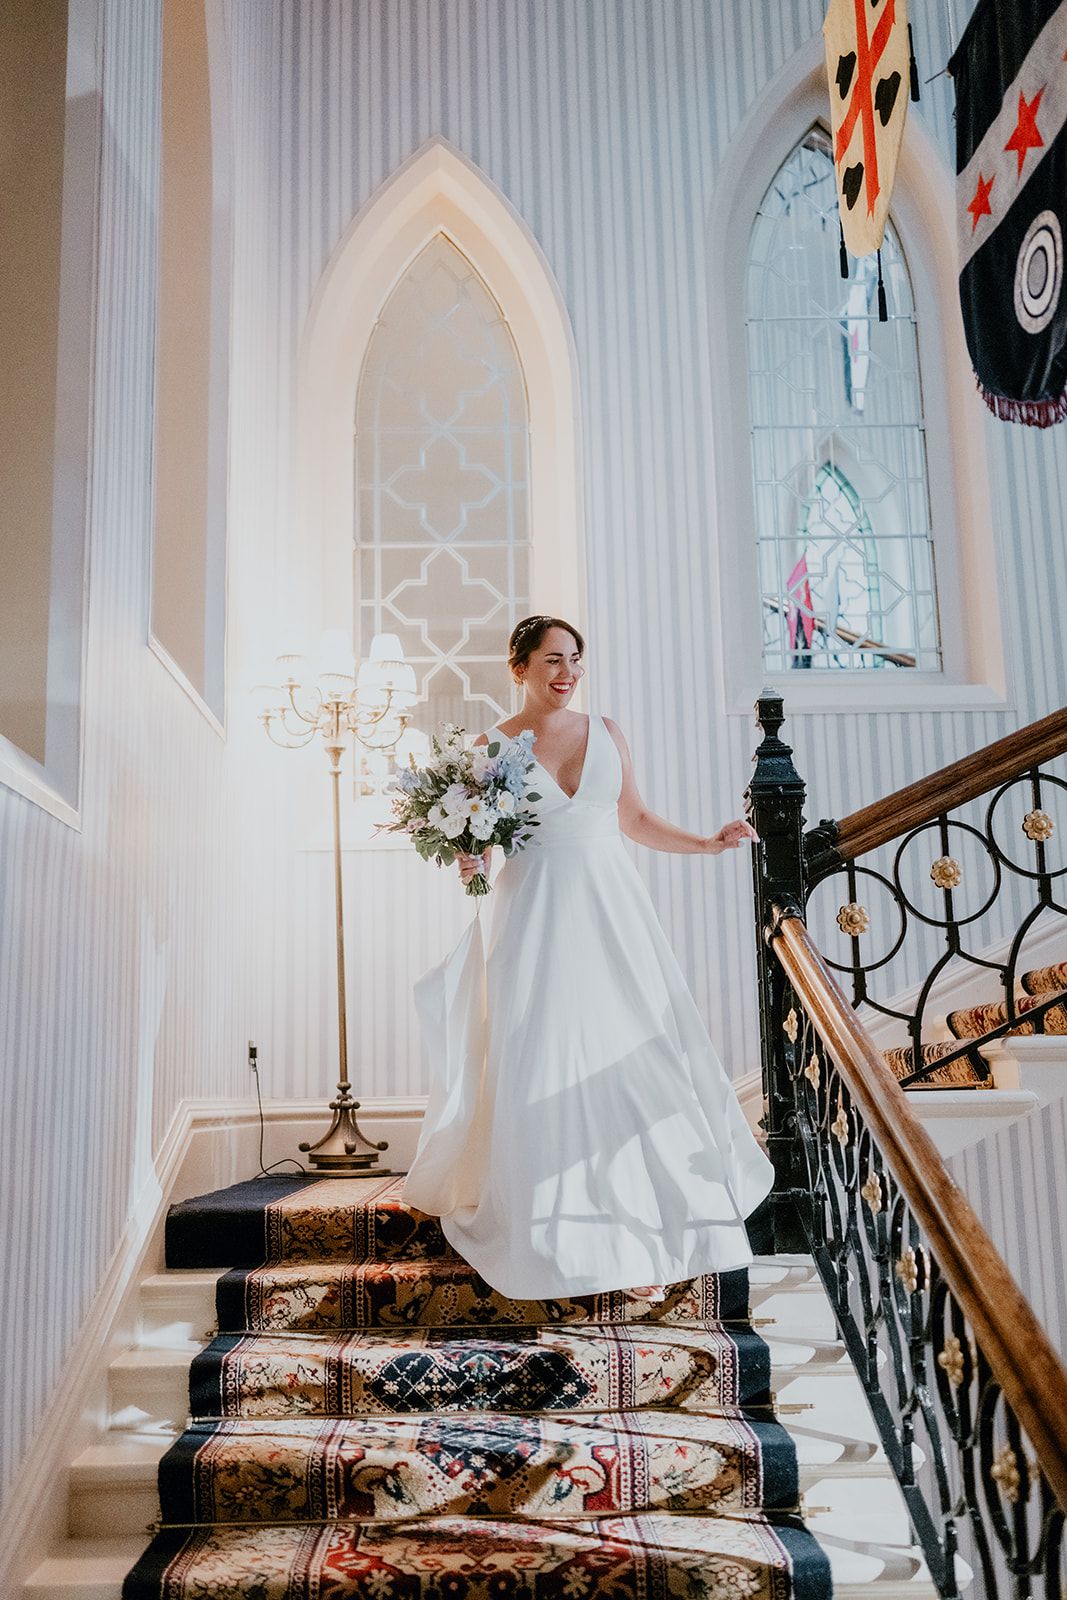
x: 592, y: 812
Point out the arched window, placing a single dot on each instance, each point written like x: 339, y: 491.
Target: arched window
x: 438, y: 495
x: 442, y: 543
x: 846, y: 558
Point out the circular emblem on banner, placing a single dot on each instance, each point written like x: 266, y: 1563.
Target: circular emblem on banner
x: 1039, y: 273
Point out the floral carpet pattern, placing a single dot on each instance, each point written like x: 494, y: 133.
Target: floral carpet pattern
x: 374, y: 1420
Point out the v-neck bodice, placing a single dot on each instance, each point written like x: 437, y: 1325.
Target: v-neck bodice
x: 591, y: 812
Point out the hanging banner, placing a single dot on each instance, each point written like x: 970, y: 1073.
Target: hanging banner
x: 868, y: 59
x: 1010, y: 72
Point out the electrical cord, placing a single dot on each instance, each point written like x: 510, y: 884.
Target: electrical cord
x: 286, y: 1161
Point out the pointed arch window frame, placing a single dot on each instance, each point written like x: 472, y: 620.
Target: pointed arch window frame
x: 974, y: 672
x: 437, y: 190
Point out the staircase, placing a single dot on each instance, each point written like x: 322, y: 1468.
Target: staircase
x: 974, y: 1022
x: 1016, y: 1073
x: 372, y: 1419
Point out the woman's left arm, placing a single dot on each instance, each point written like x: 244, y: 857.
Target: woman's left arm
x: 645, y: 827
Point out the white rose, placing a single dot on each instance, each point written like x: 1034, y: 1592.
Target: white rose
x: 453, y: 825
x: 483, y: 824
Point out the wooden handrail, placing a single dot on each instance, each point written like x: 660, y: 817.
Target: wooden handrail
x: 953, y: 786
x: 1024, y: 1363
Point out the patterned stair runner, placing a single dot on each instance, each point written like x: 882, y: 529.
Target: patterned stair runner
x: 972, y: 1022
x: 374, y: 1420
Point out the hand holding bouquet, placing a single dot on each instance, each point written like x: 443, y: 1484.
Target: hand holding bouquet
x: 465, y: 800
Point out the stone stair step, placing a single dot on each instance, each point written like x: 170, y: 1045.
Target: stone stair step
x: 437, y: 1293
x: 177, y: 1308
x: 478, y: 1464
x: 149, y: 1386
x: 862, y: 1568
x: 971, y: 1022
x: 628, y: 1558
x: 113, y: 1484
x: 287, y: 1218
x: 557, y: 1368
x: 957, y: 1074
x: 1045, y: 980
x: 957, y: 1118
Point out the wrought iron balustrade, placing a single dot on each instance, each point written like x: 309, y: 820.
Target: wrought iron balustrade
x: 969, y: 1398
x: 993, y: 841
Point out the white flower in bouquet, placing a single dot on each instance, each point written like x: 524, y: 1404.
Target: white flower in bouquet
x: 465, y: 800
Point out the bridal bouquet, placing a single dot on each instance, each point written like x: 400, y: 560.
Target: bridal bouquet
x: 465, y: 800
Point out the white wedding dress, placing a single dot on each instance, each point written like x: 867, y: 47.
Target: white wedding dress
x: 581, y: 1133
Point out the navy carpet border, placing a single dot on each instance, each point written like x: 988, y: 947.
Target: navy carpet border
x: 205, y: 1376
x: 754, y: 1367
x: 809, y: 1563
x: 145, y: 1580
x: 177, y: 1474
x: 227, y: 1228
x: 778, y: 1462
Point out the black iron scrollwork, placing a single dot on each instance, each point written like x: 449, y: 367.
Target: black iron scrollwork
x: 1030, y: 876
x: 985, y: 1516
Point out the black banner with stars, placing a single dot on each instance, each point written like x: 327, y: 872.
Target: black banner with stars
x: 1010, y: 72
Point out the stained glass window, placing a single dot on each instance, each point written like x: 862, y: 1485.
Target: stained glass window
x: 844, y: 548
x: 442, y: 548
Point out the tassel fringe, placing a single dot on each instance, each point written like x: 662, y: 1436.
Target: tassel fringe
x: 1034, y: 413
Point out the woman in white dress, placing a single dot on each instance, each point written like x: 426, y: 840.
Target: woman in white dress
x: 581, y: 1133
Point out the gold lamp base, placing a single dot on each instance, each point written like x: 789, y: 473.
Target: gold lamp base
x: 344, y: 1151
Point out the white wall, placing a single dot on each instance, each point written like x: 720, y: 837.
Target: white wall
x: 142, y: 951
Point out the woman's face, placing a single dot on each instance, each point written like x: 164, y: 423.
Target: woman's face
x: 551, y: 675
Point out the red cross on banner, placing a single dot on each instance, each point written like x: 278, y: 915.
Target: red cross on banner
x: 868, y: 60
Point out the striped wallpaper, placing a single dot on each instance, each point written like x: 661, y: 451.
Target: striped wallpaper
x: 142, y: 952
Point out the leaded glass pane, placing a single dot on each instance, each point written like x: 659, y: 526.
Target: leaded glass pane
x: 442, y: 536
x: 844, y: 555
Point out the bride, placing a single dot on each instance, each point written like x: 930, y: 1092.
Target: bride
x: 581, y: 1133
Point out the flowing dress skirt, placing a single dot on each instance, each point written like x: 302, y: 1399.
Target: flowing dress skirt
x: 581, y: 1132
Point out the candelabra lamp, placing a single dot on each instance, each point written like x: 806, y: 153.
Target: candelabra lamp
x: 337, y: 705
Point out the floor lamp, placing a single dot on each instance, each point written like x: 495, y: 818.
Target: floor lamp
x: 336, y: 704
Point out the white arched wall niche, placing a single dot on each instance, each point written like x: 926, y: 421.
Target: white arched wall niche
x: 965, y: 554
x: 436, y: 191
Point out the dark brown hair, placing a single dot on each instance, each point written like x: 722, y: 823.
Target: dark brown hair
x: 526, y: 636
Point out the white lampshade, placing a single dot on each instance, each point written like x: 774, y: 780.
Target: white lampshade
x: 385, y: 669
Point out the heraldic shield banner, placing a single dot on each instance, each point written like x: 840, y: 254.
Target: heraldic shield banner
x: 868, y: 57
x: 1010, y: 71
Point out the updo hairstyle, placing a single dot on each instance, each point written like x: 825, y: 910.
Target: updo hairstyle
x: 526, y: 636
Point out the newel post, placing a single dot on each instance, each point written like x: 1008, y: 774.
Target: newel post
x: 774, y: 805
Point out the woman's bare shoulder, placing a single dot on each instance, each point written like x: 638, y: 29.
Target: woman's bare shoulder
x: 483, y: 738
x: 510, y: 727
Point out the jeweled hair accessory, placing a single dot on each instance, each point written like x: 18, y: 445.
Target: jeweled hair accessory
x: 525, y: 627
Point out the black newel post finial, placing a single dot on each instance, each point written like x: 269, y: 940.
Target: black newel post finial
x: 774, y: 805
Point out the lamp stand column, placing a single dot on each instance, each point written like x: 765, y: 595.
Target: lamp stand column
x: 343, y: 1151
